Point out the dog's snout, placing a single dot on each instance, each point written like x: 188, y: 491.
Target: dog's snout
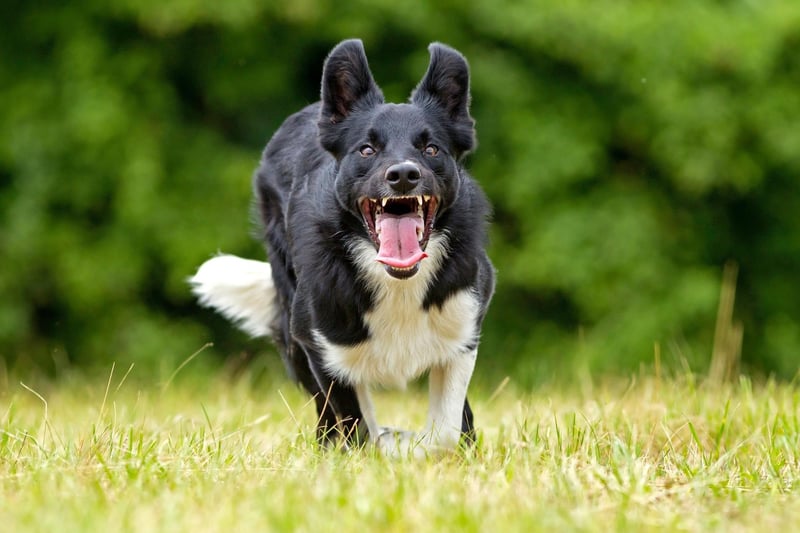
x: 403, y: 177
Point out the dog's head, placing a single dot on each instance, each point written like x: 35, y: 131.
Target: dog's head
x: 397, y: 165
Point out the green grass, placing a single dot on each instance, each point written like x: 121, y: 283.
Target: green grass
x: 222, y: 455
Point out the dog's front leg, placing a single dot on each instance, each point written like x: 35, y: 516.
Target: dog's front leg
x: 390, y: 441
x: 368, y: 411
x: 448, y: 393
x: 338, y: 410
x: 448, y: 414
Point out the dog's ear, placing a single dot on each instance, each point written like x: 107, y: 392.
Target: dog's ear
x: 347, y: 86
x: 445, y: 87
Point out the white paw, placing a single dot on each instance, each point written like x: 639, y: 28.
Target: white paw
x: 400, y: 444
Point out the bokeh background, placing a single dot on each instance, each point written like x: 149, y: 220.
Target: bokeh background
x: 631, y: 151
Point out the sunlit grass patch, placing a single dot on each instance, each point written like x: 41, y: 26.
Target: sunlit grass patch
x: 222, y: 455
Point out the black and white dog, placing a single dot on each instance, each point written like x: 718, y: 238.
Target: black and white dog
x: 376, y: 241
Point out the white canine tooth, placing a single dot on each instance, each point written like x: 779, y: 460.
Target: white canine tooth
x: 383, y: 202
x: 419, y: 200
x: 426, y: 198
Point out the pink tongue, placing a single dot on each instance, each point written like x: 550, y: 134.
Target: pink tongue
x: 398, y: 240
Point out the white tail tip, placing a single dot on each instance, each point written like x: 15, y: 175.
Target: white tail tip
x: 240, y: 289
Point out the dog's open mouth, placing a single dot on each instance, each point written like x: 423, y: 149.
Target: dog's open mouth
x: 400, y: 227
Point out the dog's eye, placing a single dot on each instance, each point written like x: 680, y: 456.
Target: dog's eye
x: 366, y: 150
x: 431, y: 150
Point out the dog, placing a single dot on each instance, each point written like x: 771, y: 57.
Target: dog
x: 376, y: 239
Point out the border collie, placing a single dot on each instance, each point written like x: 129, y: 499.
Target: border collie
x: 376, y: 240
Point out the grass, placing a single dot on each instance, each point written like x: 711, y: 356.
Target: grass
x: 219, y: 455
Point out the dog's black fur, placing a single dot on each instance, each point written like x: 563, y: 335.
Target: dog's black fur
x: 311, y: 187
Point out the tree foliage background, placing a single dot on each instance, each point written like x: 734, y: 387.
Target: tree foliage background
x: 630, y: 149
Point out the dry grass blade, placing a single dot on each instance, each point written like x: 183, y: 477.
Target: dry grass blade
x: 727, y: 333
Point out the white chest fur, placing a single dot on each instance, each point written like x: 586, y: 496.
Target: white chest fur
x: 405, y: 340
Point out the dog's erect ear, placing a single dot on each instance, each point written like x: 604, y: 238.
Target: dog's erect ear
x: 347, y: 86
x: 445, y: 87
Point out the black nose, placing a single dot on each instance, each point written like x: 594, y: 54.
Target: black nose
x: 403, y: 177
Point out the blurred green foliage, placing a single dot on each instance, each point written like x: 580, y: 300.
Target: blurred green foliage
x: 630, y: 150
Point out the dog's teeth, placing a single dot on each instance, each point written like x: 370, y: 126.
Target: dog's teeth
x: 384, y: 201
x: 426, y: 198
x: 419, y: 200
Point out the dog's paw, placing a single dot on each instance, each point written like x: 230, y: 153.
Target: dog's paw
x: 401, y: 444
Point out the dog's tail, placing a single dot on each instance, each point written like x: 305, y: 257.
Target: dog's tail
x: 240, y: 289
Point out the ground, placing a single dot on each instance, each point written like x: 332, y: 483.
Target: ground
x: 215, y: 454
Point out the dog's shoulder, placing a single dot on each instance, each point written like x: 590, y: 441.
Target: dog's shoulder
x: 292, y: 133
x: 466, y: 226
x: 293, y: 153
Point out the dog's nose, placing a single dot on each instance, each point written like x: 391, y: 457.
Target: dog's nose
x: 403, y: 177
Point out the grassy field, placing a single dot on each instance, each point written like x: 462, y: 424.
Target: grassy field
x: 220, y: 455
